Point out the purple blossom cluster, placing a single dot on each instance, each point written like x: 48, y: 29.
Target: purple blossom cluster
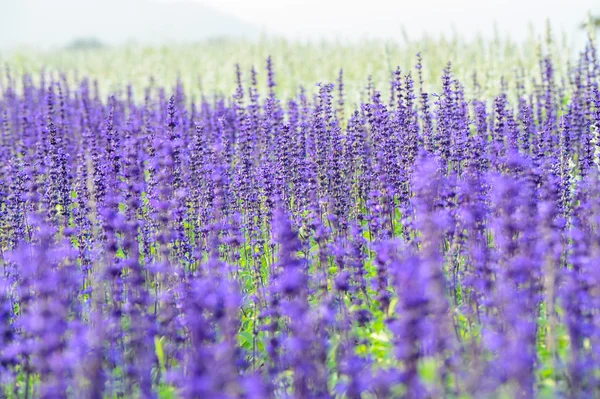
x: 422, y: 246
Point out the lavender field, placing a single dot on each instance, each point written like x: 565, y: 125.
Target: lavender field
x: 389, y: 242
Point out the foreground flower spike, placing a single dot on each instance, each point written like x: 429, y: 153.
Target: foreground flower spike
x: 420, y: 244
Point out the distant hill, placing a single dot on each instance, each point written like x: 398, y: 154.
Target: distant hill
x: 59, y: 22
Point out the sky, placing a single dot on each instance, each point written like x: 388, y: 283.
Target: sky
x: 48, y: 23
x: 385, y: 18
x: 57, y: 22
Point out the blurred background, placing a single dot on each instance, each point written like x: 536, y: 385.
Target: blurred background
x: 200, y: 41
x: 47, y: 23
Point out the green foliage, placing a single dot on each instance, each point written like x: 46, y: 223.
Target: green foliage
x: 208, y: 67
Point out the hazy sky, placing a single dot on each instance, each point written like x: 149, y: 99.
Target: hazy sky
x: 57, y: 22
x: 384, y: 18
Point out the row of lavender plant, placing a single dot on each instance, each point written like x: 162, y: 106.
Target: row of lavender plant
x: 422, y: 246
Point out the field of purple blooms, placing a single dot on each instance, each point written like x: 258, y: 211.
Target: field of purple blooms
x: 248, y: 246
